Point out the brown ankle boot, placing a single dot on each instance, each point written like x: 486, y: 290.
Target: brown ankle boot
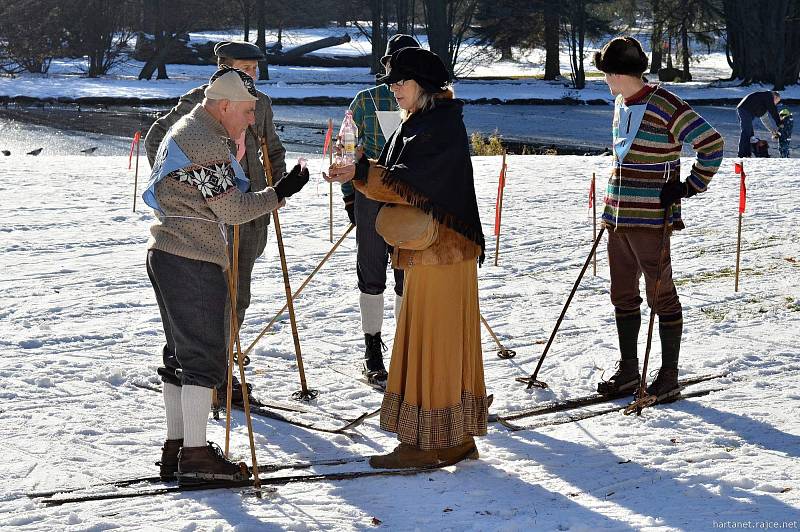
x: 465, y: 451
x: 404, y: 457
x: 168, y: 465
x: 208, y: 464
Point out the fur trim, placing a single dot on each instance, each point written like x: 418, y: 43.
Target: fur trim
x: 414, y: 198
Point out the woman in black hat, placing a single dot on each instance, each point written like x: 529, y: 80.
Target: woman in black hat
x: 435, y: 396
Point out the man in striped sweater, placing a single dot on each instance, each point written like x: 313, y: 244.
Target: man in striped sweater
x: 644, y: 192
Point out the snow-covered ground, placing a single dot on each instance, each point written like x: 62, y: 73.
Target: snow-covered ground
x: 66, y: 80
x: 81, y: 325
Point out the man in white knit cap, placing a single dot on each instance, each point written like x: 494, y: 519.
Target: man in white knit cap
x: 197, y: 188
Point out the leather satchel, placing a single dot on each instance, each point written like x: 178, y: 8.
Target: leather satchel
x: 406, y: 227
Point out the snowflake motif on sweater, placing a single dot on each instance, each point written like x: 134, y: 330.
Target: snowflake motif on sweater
x: 210, y: 181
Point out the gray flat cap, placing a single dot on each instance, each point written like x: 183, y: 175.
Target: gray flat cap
x: 238, y: 50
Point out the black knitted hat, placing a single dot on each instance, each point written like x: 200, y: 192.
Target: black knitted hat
x: 418, y: 64
x: 621, y: 55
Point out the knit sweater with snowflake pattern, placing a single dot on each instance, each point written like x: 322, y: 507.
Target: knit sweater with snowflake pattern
x: 199, y: 197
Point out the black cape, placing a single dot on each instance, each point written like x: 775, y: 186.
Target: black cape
x: 429, y: 165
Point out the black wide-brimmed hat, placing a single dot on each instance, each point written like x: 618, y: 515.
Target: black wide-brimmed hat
x: 621, y: 55
x: 418, y: 64
x: 397, y: 43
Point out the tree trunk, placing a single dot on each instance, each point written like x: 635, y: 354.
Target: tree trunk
x: 401, y: 11
x: 158, y: 60
x: 580, y: 75
x: 505, y: 53
x: 656, y: 37
x: 438, y: 31
x: 685, y: 53
x: 319, y: 44
x: 552, y: 62
x: 246, y: 19
x: 778, y: 23
x: 261, y: 38
x: 376, y: 11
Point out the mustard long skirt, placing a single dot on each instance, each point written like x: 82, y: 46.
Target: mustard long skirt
x: 435, y: 394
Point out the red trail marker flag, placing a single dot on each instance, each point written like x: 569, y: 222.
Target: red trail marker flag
x: 739, y: 169
x: 134, y: 143
x: 591, y: 194
x: 498, y: 209
x: 328, y: 137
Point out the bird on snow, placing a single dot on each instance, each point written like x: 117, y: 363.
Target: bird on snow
x: 37, y: 151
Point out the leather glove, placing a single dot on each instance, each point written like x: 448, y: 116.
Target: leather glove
x: 349, y: 206
x: 291, y: 183
x: 674, y: 191
x: 362, y: 168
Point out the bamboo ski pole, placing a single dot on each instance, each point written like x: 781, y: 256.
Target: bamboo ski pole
x: 233, y: 286
x: 531, y: 381
x: 304, y: 394
x: 499, y: 208
x: 136, y: 139
x: 642, y: 399
x: 296, y: 294
x: 503, y: 352
x: 233, y: 322
x: 330, y: 185
x: 594, y: 225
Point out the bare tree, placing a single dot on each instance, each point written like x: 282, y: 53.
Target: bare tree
x: 261, y: 37
x: 168, y: 21
x: 100, y: 30
x: 33, y: 32
x: 763, y: 43
x: 447, y: 23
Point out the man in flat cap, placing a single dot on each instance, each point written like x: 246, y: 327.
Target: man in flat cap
x: 252, y: 235
x: 198, y: 189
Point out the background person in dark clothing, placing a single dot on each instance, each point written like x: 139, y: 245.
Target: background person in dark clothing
x: 756, y: 105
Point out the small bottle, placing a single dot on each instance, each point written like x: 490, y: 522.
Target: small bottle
x: 348, y: 134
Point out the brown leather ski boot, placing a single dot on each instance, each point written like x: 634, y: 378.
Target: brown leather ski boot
x: 466, y: 451
x: 197, y: 465
x: 168, y: 465
x: 404, y: 456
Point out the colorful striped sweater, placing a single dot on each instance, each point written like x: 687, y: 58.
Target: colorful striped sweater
x: 632, y: 194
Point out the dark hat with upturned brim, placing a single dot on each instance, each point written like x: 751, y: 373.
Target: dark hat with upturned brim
x: 397, y: 43
x: 241, y: 50
x: 621, y: 55
x: 418, y: 64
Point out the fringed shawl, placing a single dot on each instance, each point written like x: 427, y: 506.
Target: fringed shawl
x: 428, y: 163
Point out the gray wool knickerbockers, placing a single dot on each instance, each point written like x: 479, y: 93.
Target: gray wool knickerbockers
x: 191, y: 297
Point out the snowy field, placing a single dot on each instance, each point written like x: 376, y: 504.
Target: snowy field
x: 82, y: 326
x: 66, y: 75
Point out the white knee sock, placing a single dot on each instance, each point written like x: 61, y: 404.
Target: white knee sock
x: 172, y: 404
x: 371, y: 312
x: 398, y: 304
x: 196, y: 402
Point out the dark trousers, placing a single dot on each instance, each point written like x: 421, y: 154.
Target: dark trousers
x: 631, y: 254
x: 191, y: 297
x: 746, y: 123
x: 373, y: 252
